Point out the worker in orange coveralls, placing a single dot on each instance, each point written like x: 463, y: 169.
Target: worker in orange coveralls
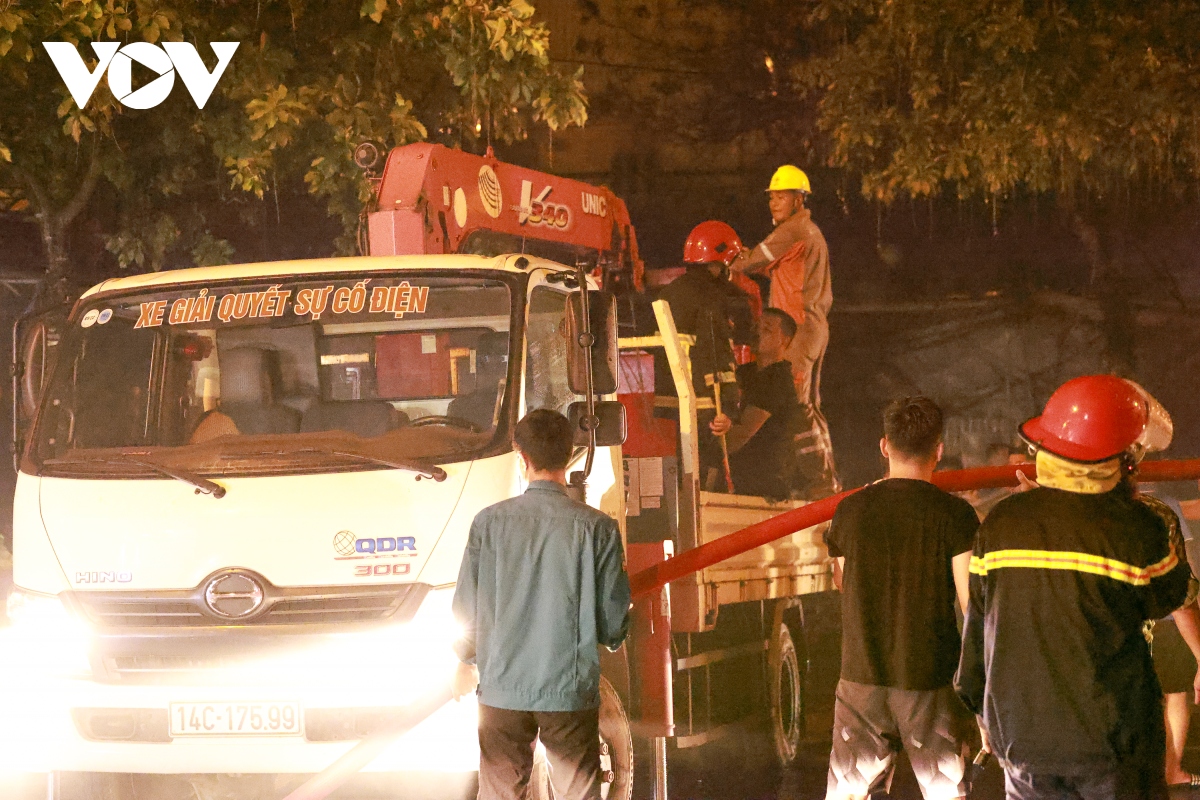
x: 796, y: 258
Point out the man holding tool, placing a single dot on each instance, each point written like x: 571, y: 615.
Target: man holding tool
x: 706, y: 305
x: 761, y: 451
x: 542, y: 584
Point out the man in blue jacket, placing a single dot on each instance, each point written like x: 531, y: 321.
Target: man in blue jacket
x: 542, y: 584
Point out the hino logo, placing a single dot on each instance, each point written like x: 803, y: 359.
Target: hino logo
x: 166, y: 60
x: 103, y: 577
x: 234, y: 594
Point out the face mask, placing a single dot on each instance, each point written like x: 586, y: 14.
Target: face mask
x: 1071, y: 476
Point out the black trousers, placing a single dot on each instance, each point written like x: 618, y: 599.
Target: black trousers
x: 506, y: 743
x: 1128, y: 781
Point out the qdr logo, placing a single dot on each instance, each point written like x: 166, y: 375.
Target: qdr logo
x: 347, y: 545
x: 165, y: 61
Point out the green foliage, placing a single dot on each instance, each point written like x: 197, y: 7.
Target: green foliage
x: 209, y: 251
x: 309, y: 82
x: 144, y: 242
x: 988, y: 96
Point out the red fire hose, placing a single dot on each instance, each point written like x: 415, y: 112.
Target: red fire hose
x: 642, y: 583
x: 798, y: 519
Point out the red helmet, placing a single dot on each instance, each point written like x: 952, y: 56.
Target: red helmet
x: 712, y: 241
x: 1098, y: 417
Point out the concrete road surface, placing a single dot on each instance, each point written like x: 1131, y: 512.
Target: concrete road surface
x: 722, y: 771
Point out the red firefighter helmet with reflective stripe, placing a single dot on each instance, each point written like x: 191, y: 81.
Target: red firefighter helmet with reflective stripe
x: 712, y: 241
x: 1098, y: 417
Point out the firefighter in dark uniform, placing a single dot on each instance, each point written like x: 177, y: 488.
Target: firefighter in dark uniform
x: 705, y: 304
x: 1054, y: 662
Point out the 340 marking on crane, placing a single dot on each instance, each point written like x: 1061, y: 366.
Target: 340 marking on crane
x: 539, y: 211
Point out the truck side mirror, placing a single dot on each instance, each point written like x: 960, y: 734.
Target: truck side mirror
x: 602, y: 308
x: 610, y: 423
x: 33, y: 358
x: 34, y: 367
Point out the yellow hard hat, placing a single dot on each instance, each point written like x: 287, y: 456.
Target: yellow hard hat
x: 789, y: 178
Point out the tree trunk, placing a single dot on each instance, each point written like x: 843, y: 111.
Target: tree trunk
x: 1114, y: 291
x: 54, y: 225
x: 1089, y: 237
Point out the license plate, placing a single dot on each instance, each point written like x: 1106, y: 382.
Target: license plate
x: 235, y: 719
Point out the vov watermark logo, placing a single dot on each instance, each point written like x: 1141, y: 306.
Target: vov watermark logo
x: 165, y: 60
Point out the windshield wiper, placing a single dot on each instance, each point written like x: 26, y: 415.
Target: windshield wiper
x: 435, y: 473
x: 202, y: 485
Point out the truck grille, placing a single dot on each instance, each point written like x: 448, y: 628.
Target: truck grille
x: 281, y: 606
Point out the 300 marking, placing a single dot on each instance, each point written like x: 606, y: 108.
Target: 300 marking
x: 369, y: 570
x: 235, y: 719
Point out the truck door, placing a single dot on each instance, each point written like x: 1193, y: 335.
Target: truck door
x: 547, y: 385
x: 546, y: 379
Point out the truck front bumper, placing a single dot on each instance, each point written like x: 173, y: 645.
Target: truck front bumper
x: 71, y: 701
x: 80, y: 725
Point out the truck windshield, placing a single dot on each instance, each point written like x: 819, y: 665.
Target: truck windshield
x: 285, y: 375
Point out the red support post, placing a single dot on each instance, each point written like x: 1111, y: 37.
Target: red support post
x: 650, y: 647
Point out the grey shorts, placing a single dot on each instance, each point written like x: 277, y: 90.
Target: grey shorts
x: 872, y: 723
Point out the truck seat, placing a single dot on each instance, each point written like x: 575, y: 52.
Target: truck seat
x: 479, y: 406
x: 366, y: 418
x: 248, y: 394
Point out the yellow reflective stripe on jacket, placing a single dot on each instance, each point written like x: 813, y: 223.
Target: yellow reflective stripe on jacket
x: 1080, y: 562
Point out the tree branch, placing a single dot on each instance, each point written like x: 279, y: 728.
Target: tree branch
x: 46, y: 292
x: 84, y: 193
x: 45, y: 213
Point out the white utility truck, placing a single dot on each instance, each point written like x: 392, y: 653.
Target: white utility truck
x: 245, y: 494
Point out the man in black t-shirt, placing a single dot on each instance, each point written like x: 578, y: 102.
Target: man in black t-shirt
x: 903, y: 550
x: 760, y: 444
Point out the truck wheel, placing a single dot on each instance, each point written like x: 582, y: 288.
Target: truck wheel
x: 616, y: 745
x: 785, y: 684
x: 616, y: 753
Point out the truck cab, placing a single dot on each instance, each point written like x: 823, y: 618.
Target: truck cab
x: 244, y: 501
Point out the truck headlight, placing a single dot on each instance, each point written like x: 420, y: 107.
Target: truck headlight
x: 434, y: 623
x: 45, y: 634
x: 425, y: 640
x: 43, y: 610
